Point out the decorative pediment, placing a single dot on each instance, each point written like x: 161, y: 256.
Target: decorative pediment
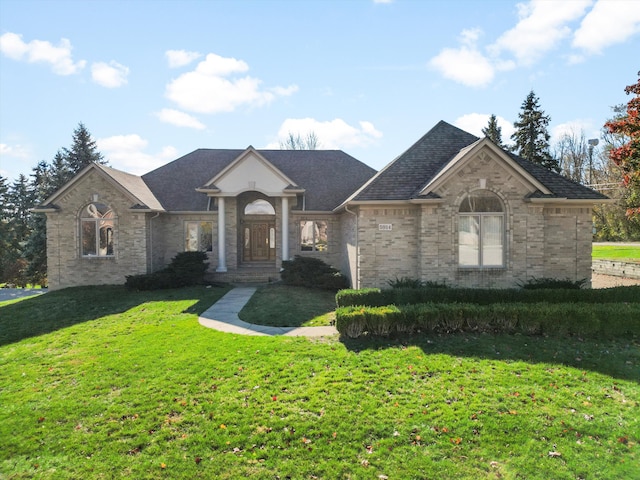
x: 482, y: 149
x: 250, y: 171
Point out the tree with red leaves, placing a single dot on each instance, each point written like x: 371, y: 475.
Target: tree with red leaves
x: 627, y: 156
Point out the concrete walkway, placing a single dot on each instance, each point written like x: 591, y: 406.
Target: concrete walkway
x: 12, y: 293
x: 223, y: 316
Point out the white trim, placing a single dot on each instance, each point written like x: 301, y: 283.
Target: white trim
x: 222, y: 247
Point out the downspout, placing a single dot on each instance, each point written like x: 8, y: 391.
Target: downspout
x: 356, y: 283
x: 151, y: 241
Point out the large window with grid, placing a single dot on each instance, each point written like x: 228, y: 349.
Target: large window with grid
x: 97, y: 225
x: 481, y: 230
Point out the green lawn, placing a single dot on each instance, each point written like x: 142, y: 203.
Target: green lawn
x: 616, y: 252
x: 285, y: 306
x: 103, y: 383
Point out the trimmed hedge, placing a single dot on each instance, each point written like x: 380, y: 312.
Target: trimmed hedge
x: 406, y: 296
x: 555, y: 319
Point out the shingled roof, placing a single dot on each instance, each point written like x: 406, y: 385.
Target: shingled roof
x: 327, y: 176
x: 405, y: 177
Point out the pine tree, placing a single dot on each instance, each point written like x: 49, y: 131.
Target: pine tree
x: 83, y: 151
x: 6, y: 233
x: 35, y: 248
x: 493, y: 132
x: 531, y: 136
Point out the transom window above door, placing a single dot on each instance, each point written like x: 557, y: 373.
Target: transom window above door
x: 259, y: 207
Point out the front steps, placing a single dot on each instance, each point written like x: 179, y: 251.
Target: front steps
x: 246, y: 274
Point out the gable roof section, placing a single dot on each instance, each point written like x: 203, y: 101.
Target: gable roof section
x: 466, y: 154
x: 130, y: 185
x: 438, y: 151
x: 327, y: 176
x: 404, y: 177
x: 250, y: 164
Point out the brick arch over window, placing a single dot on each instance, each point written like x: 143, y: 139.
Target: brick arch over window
x: 97, y: 230
x: 481, y: 230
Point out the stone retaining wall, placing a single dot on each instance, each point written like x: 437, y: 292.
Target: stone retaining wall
x: 618, y: 269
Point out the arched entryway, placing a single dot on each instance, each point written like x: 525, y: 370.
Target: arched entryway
x: 258, y: 229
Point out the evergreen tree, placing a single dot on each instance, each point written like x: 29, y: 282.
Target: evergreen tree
x: 83, y: 151
x: 493, y: 132
x: 6, y: 234
x: 531, y: 136
x: 35, y: 249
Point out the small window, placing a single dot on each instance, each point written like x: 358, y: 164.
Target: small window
x: 198, y: 237
x: 313, y: 235
x: 96, y: 229
x: 481, y: 231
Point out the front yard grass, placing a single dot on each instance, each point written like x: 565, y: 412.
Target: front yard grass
x: 281, y: 305
x: 612, y: 251
x: 104, y: 383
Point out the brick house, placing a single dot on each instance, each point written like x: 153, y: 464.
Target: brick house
x: 452, y: 208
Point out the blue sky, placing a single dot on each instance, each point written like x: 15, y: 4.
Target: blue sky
x: 154, y: 80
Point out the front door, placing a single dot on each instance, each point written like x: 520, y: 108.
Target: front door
x: 258, y: 242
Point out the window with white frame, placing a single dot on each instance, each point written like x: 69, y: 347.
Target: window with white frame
x: 313, y: 235
x: 198, y: 236
x: 481, y: 230
x: 97, y: 224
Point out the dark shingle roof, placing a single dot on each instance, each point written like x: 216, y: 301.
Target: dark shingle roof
x: 328, y: 176
x: 406, y: 176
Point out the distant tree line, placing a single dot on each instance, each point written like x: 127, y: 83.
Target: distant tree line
x: 613, y: 169
x: 23, y: 241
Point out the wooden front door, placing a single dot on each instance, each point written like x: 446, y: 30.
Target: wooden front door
x: 258, y: 242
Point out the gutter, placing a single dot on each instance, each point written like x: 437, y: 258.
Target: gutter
x: 356, y: 283
x: 151, y: 241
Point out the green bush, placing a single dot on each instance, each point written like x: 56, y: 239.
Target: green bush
x: 553, y: 283
x: 553, y: 319
x: 185, y: 269
x: 484, y: 296
x: 405, y: 282
x: 313, y: 273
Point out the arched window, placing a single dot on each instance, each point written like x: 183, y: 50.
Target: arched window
x: 481, y: 230
x: 96, y: 229
x: 259, y: 207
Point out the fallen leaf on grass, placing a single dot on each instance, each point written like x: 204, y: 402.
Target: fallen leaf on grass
x: 163, y: 465
x: 555, y: 454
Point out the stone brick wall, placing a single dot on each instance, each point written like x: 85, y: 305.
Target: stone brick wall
x: 66, y: 266
x: 541, y: 240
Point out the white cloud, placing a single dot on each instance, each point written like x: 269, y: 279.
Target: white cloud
x: 39, y: 51
x: 180, y: 58
x: 13, y: 151
x: 109, y: 75
x: 126, y: 152
x: 542, y: 25
x: 464, y: 65
x: 606, y: 24
x: 207, y: 89
x: 179, y: 119
x: 475, y: 122
x: 334, y: 134
x: 574, y: 127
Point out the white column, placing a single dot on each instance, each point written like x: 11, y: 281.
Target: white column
x: 222, y: 251
x: 285, y: 228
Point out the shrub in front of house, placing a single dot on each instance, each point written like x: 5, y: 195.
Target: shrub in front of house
x: 553, y: 283
x: 553, y: 319
x: 312, y: 272
x: 185, y: 269
x: 406, y: 296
